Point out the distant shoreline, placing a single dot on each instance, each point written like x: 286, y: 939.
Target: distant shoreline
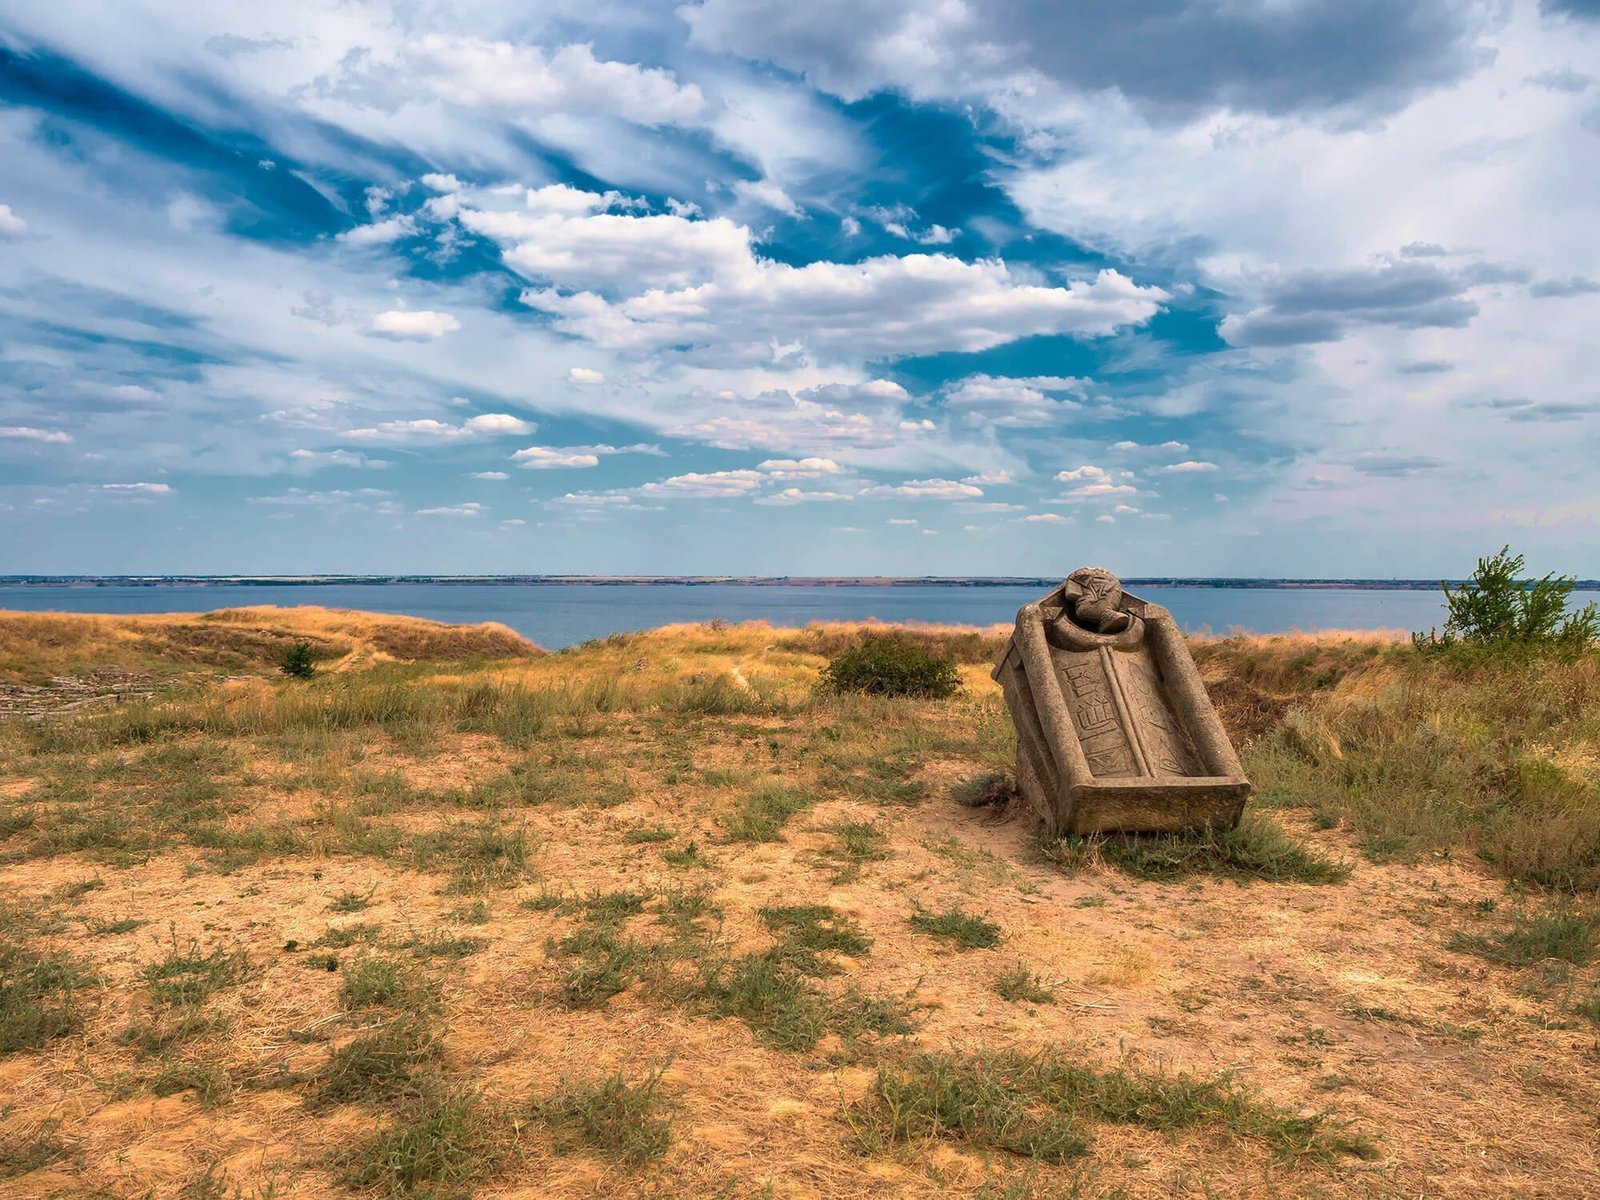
x: 204, y: 581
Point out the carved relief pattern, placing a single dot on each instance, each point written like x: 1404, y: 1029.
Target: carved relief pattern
x: 1166, y: 742
x: 1094, y: 715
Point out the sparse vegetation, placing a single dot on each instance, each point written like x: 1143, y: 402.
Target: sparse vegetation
x: 891, y: 666
x: 401, y: 898
x: 298, y: 660
x: 962, y: 930
x: 1044, y: 1106
x: 1257, y: 849
x: 629, y: 1123
x: 1499, y: 610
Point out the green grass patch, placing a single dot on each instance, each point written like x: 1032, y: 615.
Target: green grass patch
x: 1563, y: 933
x: 39, y: 996
x: 374, y: 981
x: 187, y: 976
x: 962, y: 930
x: 1045, y: 1107
x: 628, y: 1123
x: 1258, y: 849
x: 807, y: 931
x: 393, y: 1061
x: 442, y: 1144
x: 761, y: 815
x: 1018, y: 984
x: 647, y: 835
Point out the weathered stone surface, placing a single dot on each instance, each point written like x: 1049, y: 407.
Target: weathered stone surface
x: 1115, y: 731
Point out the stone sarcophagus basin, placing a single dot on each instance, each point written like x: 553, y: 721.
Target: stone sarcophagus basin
x: 1115, y: 732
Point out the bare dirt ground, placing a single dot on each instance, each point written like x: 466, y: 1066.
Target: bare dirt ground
x: 1468, y: 1077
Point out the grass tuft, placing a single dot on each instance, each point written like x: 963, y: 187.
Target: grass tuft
x: 1563, y: 933
x: 622, y: 1122
x: 1020, y: 985
x: 1257, y: 849
x: 761, y: 816
x: 1044, y: 1106
x: 962, y: 930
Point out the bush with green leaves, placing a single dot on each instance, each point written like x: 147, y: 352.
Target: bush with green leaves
x: 296, y: 661
x: 891, y: 666
x: 1499, y: 609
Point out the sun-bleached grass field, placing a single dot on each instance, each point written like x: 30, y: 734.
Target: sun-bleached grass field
x: 653, y: 917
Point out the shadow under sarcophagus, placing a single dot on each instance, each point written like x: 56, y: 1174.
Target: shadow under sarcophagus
x: 1115, y: 732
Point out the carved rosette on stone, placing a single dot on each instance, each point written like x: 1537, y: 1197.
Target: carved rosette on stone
x: 1115, y: 732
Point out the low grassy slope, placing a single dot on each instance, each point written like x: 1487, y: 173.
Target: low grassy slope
x: 651, y: 917
x: 34, y: 647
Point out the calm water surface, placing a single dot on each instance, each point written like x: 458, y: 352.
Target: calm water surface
x: 556, y: 616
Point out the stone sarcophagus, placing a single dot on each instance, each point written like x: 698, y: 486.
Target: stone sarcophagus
x: 1115, y: 732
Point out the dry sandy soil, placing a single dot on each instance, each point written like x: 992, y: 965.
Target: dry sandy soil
x: 1466, y: 1077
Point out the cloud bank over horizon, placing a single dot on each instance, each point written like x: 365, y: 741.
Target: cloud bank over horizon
x: 1177, y: 287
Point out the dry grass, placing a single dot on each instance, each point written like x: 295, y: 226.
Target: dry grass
x: 653, y: 917
x: 34, y: 647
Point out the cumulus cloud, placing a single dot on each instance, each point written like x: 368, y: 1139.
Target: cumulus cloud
x: 1086, y: 472
x: 490, y: 475
x: 885, y: 307
x: 585, y: 375
x: 379, y: 233
x: 926, y: 489
x: 712, y: 485
x: 11, y: 225
x: 412, y: 325
x: 428, y: 429
x: 799, y: 468
x: 1047, y: 518
x: 1022, y: 403
x: 470, y: 509
x: 793, y: 495
x: 137, y: 489
x: 544, y: 457
x: 28, y: 433
x: 1187, y: 467
x: 516, y: 77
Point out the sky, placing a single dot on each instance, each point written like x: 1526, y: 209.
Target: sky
x: 860, y: 287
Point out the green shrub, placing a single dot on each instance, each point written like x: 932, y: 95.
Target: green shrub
x: 1498, y: 608
x: 891, y: 666
x: 296, y: 661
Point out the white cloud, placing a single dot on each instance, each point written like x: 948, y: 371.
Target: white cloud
x: 428, y: 429
x: 884, y: 307
x: 412, y: 325
x: 932, y: 489
x: 481, y: 74
x: 1090, y: 491
x: 1050, y: 518
x: 792, y: 495
x: 138, y: 489
x: 768, y: 194
x: 799, y: 468
x: 30, y: 434
x: 11, y: 225
x: 491, y: 475
x: 1013, y: 402
x: 470, y: 509
x: 850, y: 227
x: 585, y: 375
x: 990, y: 478
x: 379, y: 233
x: 902, y: 521
x: 1099, y: 474
x: 712, y: 485
x: 1188, y: 467
x: 1163, y: 448
x: 1106, y: 519
x: 544, y: 457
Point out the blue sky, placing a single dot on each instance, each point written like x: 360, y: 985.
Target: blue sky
x: 744, y: 286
